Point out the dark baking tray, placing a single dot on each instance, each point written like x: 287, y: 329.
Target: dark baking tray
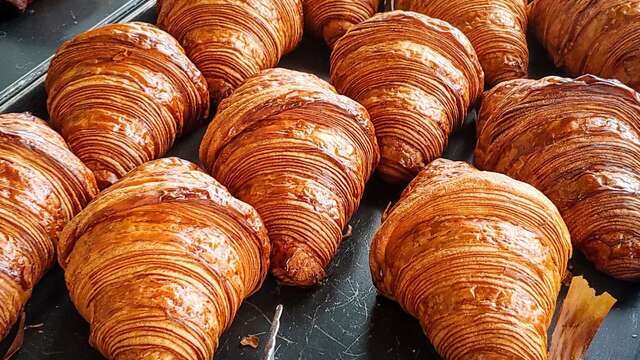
x: 342, y: 319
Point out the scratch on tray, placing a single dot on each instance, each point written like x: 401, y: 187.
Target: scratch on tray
x: 259, y: 311
x: 329, y: 336
x: 346, y: 350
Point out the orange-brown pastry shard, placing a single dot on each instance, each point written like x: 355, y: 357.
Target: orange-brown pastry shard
x: 577, y: 141
x: 330, y: 19
x: 496, y: 28
x: 417, y: 77
x: 120, y: 95
x: 232, y: 40
x: 477, y: 257
x: 159, y: 263
x: 42, y: 186
x: 20, y: 4
x: 301, y: 154
x: 599, y: 37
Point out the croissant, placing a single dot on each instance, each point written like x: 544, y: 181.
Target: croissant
x: 20, y: 4
x: 42, y: 186
x: 417, y: 77
x: 160, y: 262
x: 477, y: 257
x: 301, y: 154
x: 331, y: 19
x: 120, y: 95
x: 496, y: 28
x: 577, y: 141
x: 599, y: 37
x: 232, y: 40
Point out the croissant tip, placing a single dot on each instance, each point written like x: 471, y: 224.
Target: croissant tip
x: 299, y: 269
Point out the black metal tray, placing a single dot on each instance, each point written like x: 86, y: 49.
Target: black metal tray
x: 342, y: 319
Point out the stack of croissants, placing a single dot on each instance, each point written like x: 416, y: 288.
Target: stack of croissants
x: 159, y: 253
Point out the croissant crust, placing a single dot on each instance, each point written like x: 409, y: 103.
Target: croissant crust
x: 121, y: 94
x: 42, y: 186
x: 331, y: 19
x: 577, y: 141
x: 287, y: 144
x: 417, y: 77
x: 159, y: 263
x: 232, y: 40
x: 477, y: 257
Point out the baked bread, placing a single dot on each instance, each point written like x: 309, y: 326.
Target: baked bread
x: 331, y: 19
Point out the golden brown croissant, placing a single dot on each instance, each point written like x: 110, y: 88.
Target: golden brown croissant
x: 417, y: 77
x: 477, y: 257
x: 496, y: 28
x: 232, y: 40
x: 577, y: 141
x: 599, y: 37
x: 120, y: 95
x: 331, y: 19
x: 287, y: 144
x: 160, y: 262
x: 42, y: 186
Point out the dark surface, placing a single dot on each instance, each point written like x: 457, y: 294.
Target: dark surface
x: 343, y: 318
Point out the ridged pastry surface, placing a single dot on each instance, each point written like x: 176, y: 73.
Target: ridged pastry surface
x: 417, y: 77
x: 599, y: 37
x: 120, y: 95
x: 578, y: 141
x: 301, y: 154
x: 477, y: 257
x: 42, y: 186
x: 160, y: 262
x: 331, y: 19
x: 496, y: 28
x: 232, y: 40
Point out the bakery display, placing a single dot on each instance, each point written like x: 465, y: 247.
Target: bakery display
x: 121, y: 94
x: 232, y: 40
x: 577, y: 141
x: 301, y: 154
x: 417, y: 77
x: 477, y: 257
x: 331, y: 19
x: 42, y: 186
x: 496, y: 28
x: 599, y: 37
x: 160, y: 262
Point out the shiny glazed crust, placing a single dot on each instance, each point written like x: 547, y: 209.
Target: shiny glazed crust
x: 232, y: 40
x: 120, y: 95
x: 600, y: 37
x: 42, y: 186
x: 160, y: 262
x: 496, y: 28
x: 301, y: 154
x: 577, y: 141
x: 417, y: 77
x: 331, y: 19
x: 477, y: 257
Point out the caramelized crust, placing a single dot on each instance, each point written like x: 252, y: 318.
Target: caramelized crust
x: 286, y: 143
x: 160, y: 262
x: 330, y: 19
x: 578, y: 141
x: 232, y: 40
x: 417, y: 77
x: 42, y: 186
x: 496, y: 28
x: 477, y: 257
x: 120, y: 95
x: 600, y: 37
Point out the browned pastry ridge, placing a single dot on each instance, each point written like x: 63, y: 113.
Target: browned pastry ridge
x: 577, y: 141
x: 477, y: 257
x: 42, y: 186
x: 120, y: 95
x: 599, y: 37
x: 301, y: 154
x: 232, y: 40
x: 160, y: 262
x: 331, y: 19
x: 417, y: 77
x: 496, y: 28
